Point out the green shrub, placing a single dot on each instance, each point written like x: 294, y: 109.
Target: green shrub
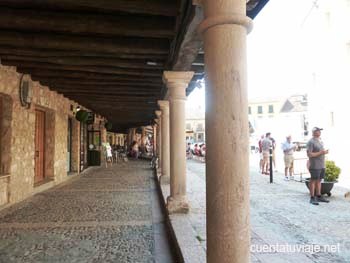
x: 108, y: 126
x: 82, y: 116
x: 332, y: 171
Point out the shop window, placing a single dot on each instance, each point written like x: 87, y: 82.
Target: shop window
x: 200, y: 127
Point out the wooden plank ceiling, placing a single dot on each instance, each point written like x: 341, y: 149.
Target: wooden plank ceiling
x: 107, y: 55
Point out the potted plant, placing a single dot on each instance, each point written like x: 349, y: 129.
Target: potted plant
x: 82, y: 116
x: 331, y: 176
x: 108, y: 126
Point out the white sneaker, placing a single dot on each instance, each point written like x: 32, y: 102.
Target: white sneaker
x: 286, y: 178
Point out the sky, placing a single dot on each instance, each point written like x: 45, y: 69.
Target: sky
x: 275, y: 52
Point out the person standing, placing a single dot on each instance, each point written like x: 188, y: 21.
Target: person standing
x: 266, y: 144
x: 273, y: 153
x: 288, y: 150
x: 109, y: 156
x: 316, y: 154
x: 260, y: 153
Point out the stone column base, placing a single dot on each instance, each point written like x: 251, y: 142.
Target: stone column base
x: 163, y: 179
x: 177, y: 205
x: 159, y: 172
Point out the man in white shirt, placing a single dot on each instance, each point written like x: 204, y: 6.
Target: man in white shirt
x: 288, y: 149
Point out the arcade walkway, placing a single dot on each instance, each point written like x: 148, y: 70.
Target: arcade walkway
x: 105, y: 215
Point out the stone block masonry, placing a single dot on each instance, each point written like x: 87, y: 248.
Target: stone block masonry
x: 17, y: 142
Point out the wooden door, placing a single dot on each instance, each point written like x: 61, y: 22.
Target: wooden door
x: 69, y: 145
x: 39, y: 146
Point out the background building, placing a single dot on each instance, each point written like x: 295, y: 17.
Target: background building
x: 195, y: 124
x: 327, y: 52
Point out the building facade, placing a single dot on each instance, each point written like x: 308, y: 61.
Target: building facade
x: 328, y: 57
x: 195, y: 124
x: 281, y: 117
x: 42, y: 144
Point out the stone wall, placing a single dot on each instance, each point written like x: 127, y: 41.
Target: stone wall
x: 18, y: 128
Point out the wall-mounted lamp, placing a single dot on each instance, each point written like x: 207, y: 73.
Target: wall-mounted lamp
x: 75, y: 109
x: 25, y: 91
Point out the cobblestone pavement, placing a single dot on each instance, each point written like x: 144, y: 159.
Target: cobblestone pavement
x: 105, y: 215
x: 281, y: 215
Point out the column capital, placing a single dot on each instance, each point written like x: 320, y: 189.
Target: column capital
x: 163, y: 104
x: 177, y: 78
x: 234, y: 19
x: 158, y: 113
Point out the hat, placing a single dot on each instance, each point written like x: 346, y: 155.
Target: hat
x: 314, y: 129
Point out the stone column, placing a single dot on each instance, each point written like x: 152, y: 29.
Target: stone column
x: 224, y: 31
x: 129, y: 139
x: 159, y: 139
x: 143, y: 137
x: 165, y: 136
x: 154, y: 129
x: 133, y: 135
x: 177, y: 83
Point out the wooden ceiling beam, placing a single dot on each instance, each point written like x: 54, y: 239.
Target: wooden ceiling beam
x: 149, y: 102
x: 106, y: 88
x: 77, y: 54
x: 152, y: 7
x: 86, y: 24
x: 53, y: 75
x: 28, y: 67
x: 130, y: 90
x: 112, y: 98
x: 121, y: 93
x: 114, y: 45
x: 199, y: 59
x: 103, y: 84
x: 86, y: 61
x: 109, y: 99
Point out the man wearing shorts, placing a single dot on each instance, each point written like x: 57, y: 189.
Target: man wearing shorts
x: 316, y: 154
x: 288, y: 149
x: 261, y: 153
x: 266, y: 144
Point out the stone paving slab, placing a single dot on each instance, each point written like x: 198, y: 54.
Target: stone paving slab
x: 280, y: 214
x: 78, y: 244
x: 106, y: 215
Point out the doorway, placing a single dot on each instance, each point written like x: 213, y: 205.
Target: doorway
x: 69, y: 145
x: 39, y: 168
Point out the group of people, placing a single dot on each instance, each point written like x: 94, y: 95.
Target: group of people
x: 316, y: 160
x: 113, y: 153
x: 197, y: 150
x: 136, y: 150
